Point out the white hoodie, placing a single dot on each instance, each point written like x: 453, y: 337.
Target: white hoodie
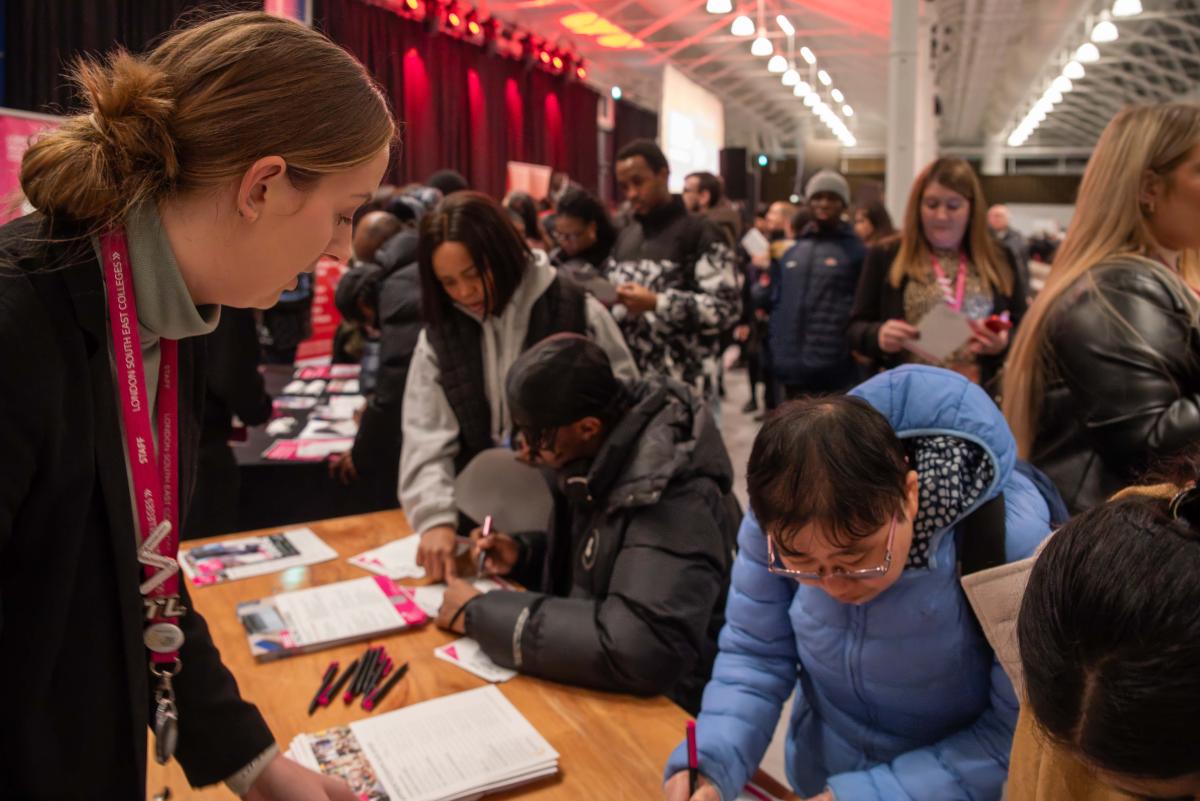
x: 430, y: 425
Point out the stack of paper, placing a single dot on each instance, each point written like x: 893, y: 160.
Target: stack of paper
x: 450, y: 748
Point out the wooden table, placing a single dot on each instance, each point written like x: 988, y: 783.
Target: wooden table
x: 611, y: 746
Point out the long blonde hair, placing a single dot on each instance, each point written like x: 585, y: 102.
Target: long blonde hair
x: 1109, y: 222
x: 200, y: 108
x: 912, y: 260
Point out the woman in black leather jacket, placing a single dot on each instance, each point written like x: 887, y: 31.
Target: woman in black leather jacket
x: 1104, y: 377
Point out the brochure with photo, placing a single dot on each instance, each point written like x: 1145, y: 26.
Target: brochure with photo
x: 230, y: 560
x: 323, y: 617
x: 446, y: 749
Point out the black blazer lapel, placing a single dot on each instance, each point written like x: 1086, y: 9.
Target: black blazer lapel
x: 86, y: 288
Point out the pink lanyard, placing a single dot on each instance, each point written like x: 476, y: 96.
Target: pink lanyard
x: 155, y: 491
x: 954, y: 301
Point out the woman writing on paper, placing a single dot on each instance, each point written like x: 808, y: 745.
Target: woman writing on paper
x: 486, y: 299
x: 846, y: 593
x: 1103, y: 378
x: 945, y: 255
x: 198, y: 178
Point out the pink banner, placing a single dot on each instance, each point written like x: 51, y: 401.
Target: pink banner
x: 16, y: 127
x: 325, y: 316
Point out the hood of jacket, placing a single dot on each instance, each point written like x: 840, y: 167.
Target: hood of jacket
x: 668, y: 434
x: 397, y: 252
x: 928, y: 408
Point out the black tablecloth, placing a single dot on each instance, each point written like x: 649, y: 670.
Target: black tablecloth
x: 275, y: 493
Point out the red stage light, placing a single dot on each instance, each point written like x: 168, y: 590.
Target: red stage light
x: 473, y: 27
x: 558, y: 63
x: 413, y: 5
x: 453, y: 19
x: 581, y: 72
x: 545, y: 57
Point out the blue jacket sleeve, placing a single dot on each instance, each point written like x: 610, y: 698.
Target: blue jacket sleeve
x: 971, y: 763
x: 754, y: 673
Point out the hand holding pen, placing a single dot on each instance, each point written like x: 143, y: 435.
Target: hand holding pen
x: 495, y: 554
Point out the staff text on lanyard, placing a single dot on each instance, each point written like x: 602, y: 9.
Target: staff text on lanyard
x: 155, y: 482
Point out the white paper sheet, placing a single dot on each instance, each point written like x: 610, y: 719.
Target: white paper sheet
x: 466, y: 654
x: 943, y: 331
x: 338, y: 611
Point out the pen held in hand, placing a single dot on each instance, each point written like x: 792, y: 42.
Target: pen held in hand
x: 693, y: 761
x: 487, y: 532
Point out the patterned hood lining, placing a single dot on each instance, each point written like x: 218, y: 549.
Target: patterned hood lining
x: 953, y: 474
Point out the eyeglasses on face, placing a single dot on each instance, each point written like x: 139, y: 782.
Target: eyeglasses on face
x: 776, y: 566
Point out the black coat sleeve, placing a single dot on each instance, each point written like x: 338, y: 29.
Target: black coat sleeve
x: 377, y: 446
x: 1123, y: 349
x: 232, y: 368
x: 867, y: 316
x: 641, y: 636
x: 219, y: 733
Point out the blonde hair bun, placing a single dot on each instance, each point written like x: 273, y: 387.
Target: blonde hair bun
x: 118, y: 154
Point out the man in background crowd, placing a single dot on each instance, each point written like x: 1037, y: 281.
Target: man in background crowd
x: 703, y: 193
x: 1011, y: 240
x: 675, y: 275
x: 812, y: 293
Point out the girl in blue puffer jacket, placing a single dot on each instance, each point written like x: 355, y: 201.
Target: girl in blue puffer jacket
x: 846, y: 589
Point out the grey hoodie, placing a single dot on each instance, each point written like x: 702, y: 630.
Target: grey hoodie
x: 430, y: 426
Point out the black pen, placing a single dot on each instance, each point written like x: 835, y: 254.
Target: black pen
x: 333, y: 691
x: 376, y: 671
x: 330, y: 672
x: 356, y: 686
x: 372, y: 700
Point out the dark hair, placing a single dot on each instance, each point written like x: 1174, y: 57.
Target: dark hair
x: 880, y: 220
x: 647, y: 149
x: 526, y: 208
x: 584, y: 206
x: 564, y: 378
x: 711, y: 184
x: 482, y: 227
x: 1109, y: 634
x: 760, y: 211
x: 448, y: 182
x: 800, y: 219
x: 833, y: 460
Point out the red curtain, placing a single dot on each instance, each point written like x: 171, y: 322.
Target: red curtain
x: 463, y: 109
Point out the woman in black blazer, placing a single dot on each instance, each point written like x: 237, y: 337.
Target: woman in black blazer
x: 203, y: 158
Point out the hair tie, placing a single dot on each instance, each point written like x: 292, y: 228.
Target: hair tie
x: 1184, y: 498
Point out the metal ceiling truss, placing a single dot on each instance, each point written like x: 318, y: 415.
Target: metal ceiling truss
x: 1156, y: 59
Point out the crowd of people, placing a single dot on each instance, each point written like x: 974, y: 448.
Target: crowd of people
x: 890, y: 491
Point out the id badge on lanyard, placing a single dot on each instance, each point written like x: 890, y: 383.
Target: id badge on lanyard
x: 155, y: 483
x: 954, y: 301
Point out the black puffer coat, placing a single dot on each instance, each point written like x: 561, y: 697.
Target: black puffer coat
x: 1124, y: 392
x: 629, y: 592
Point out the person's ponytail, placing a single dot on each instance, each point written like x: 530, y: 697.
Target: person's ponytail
x: 100, y: 164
